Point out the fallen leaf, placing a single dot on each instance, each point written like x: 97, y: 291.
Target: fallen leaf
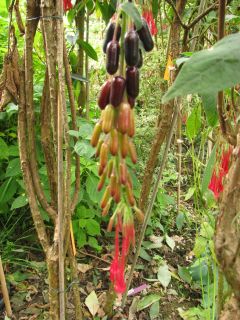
x: 83, y: 267
x: 92, y: 303
x: 164, y: 275
x: 148, y: 301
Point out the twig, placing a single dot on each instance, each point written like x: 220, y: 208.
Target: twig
x: 5, y: 291
x: 93, y: 256
x: 202, y: 15
x: 151, y: 203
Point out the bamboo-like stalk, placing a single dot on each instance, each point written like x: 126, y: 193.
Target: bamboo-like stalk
x: 5, y: 290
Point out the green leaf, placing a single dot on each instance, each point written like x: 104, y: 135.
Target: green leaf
x: 8, y: 3
x: 107, y: 10
x: 207, y: 230
x: 154, y: 310
x: 147, y: 301
x: 210, y: 108
x: 209, y: 170
x: 164, y: 275
x: 86, y: 130
x: 19, y: 202
x: 180, y: 220
x: 131, y: 10
x: 13, y: 168
x: 193, y: 123
x: 170, y: 242
x: 155, y: 8
x: 144, y: 255
x: 7, y: 190
x: 85, y: 213
x: 88, y: 49
x: 200, y: 246
x: 84, y: 149
x: 91, y: 184
x: 190, y: 193
x: 93, y: 227
x: 94, y: 243
x: 82, y: 223
x: 184, y: 274
x: 209, y: 71
x: 4, y: 149
x: 13, y: 150
x: 81, y: 238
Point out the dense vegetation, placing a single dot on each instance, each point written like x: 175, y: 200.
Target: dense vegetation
x: 186, y: 177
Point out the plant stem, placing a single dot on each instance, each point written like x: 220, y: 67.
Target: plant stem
x: 151, y: 203
x: 5, y: 291
x: 60, y: 167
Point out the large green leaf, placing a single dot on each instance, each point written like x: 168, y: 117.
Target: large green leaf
x: 210, y: 70
x: 131, y: 10
x: 88, y: 49
x: 210, y: 108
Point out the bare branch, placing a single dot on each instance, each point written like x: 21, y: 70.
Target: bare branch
x: 202, y: 15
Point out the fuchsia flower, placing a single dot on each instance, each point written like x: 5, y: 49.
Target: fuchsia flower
x: 148, y: 16
x: 118, y: 264
x: 67, y: 5
x: 216, y: 183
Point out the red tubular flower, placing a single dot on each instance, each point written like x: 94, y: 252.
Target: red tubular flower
x: 216, y: 183
x: 118, y: 264
x: 148, y: 16
x: 67, y: 5
x: 120, y: 284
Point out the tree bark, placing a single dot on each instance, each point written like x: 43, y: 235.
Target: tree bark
x: 227, y: 237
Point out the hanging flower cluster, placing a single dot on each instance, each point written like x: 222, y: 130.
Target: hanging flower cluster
x: 67, y: 5
x: 113, y: 134
x: 216, y: 183
x: 148, y: 15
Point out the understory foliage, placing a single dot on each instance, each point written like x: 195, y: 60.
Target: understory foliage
x: 197, y: 199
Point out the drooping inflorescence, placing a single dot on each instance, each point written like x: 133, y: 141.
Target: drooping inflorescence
x: 113, y: 134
